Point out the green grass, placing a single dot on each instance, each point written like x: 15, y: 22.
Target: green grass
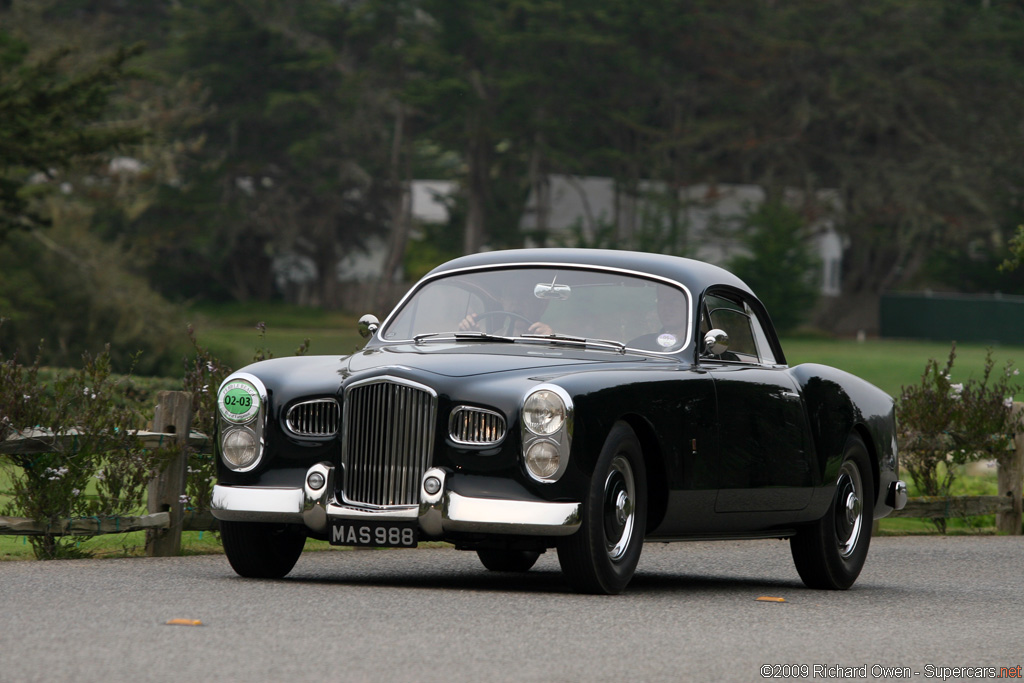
x: 891, y: 364
x: 230, y: 331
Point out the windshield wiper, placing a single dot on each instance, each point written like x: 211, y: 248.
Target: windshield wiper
x: 584, y: 341
x: 470, y: 335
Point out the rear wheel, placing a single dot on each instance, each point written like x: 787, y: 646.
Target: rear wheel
x: 602, y: 555
x: 830, y: 553
x: 262, y: 551
x: 500, y: 560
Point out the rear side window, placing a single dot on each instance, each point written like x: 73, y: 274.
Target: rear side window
x: 748, y: 342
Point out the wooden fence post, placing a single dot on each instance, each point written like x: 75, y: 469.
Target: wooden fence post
x: 173, y: 416
x: 1011, y: 483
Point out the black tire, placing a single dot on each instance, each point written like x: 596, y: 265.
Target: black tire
x: 602, y: 555
x: 262, y: 551
x: 500, y: 560
x: 830, y: 553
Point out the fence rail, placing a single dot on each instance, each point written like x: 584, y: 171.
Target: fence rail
x: 167, y: 518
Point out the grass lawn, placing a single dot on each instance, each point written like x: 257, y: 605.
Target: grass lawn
x: 231, y: 334
x: 891, y: 364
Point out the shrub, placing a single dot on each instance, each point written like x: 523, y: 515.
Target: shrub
x: 100, y: 471
x: 943, y: 425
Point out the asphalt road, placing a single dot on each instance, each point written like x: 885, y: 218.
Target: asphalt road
x: 433, y: 614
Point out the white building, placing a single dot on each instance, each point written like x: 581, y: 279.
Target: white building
x: 570, y: 210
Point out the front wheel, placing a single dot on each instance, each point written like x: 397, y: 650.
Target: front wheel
x: 830, y: 553
x: 602, y: 555
x: 262, y: 551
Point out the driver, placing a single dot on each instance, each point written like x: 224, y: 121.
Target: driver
x: 520, y: 314
x: 671, y: 307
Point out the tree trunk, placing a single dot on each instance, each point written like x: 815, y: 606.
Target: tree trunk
x: 399, y: 209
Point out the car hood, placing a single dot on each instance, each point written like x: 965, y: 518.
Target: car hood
x: 463, y: 359
x: 296, y: 376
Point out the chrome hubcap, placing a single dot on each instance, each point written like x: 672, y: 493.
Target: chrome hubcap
x: 849, y: 513
x: 619, y: 512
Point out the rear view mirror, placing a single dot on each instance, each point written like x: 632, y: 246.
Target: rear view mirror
x: 548, y: 291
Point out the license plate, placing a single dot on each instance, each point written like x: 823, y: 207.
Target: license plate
x: 374, y: 534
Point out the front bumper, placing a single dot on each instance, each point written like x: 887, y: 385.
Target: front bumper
x: 438, y: 514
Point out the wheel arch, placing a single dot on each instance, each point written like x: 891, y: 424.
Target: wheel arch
x: 654, y: 463
x: 861, y: 430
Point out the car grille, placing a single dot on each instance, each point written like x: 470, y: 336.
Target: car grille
x: 321, y: 417
x: 388, y: 441
x: 476, y: 426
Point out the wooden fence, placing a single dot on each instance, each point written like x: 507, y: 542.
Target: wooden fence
x: 167, y: 517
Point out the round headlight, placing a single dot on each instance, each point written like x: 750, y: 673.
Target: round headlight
x: 544, y: 412
x: 238, y: 448
x: 542, y: 459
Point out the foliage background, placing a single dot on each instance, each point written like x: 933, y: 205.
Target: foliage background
x: 180, y: 146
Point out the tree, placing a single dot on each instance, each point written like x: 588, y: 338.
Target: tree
x: 50, y: 116
x: 1016, y: 250
x: 296, y: 154
x: 780, y: 266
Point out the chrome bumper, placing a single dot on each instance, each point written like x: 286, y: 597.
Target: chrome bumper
x: 897, y: 496
x: 438, y: 513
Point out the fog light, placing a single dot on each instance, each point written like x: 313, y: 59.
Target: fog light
x: 315, y: 481
x: 431, y: 485
x: 239, y: 449
x: 542, y: 459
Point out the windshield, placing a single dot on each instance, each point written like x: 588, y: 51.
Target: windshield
x: 642, y: 313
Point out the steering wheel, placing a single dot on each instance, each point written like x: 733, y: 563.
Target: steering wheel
x: 507, y: 314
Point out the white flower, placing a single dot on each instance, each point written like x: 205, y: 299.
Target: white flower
x: 55, y: 474
x: 94, y: 397
x: 75, y: 492
x: 183, y: 499
x: 1008, y: 402
x: 27, y: 397
x: 100, y: 476
x: 957, y: 389
x: 206, y: 387
x: 209, y: 367
x: 86, y: 391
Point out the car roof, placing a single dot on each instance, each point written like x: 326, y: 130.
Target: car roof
x: 694, y: 275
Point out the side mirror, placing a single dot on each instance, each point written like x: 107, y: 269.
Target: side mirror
x: 716, y: 342
x: 368, y: 324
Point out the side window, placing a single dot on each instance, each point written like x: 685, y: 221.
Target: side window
x: 748, y: 342
x: 761, y: 338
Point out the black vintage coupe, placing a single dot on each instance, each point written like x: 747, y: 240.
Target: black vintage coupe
x: 582, y: 400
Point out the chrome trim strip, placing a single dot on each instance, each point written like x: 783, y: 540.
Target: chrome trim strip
x: 535, y: 264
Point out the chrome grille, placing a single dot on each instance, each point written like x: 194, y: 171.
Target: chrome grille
x: 388, y: 441
x: 321, y: 417
x: 476, y: 426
